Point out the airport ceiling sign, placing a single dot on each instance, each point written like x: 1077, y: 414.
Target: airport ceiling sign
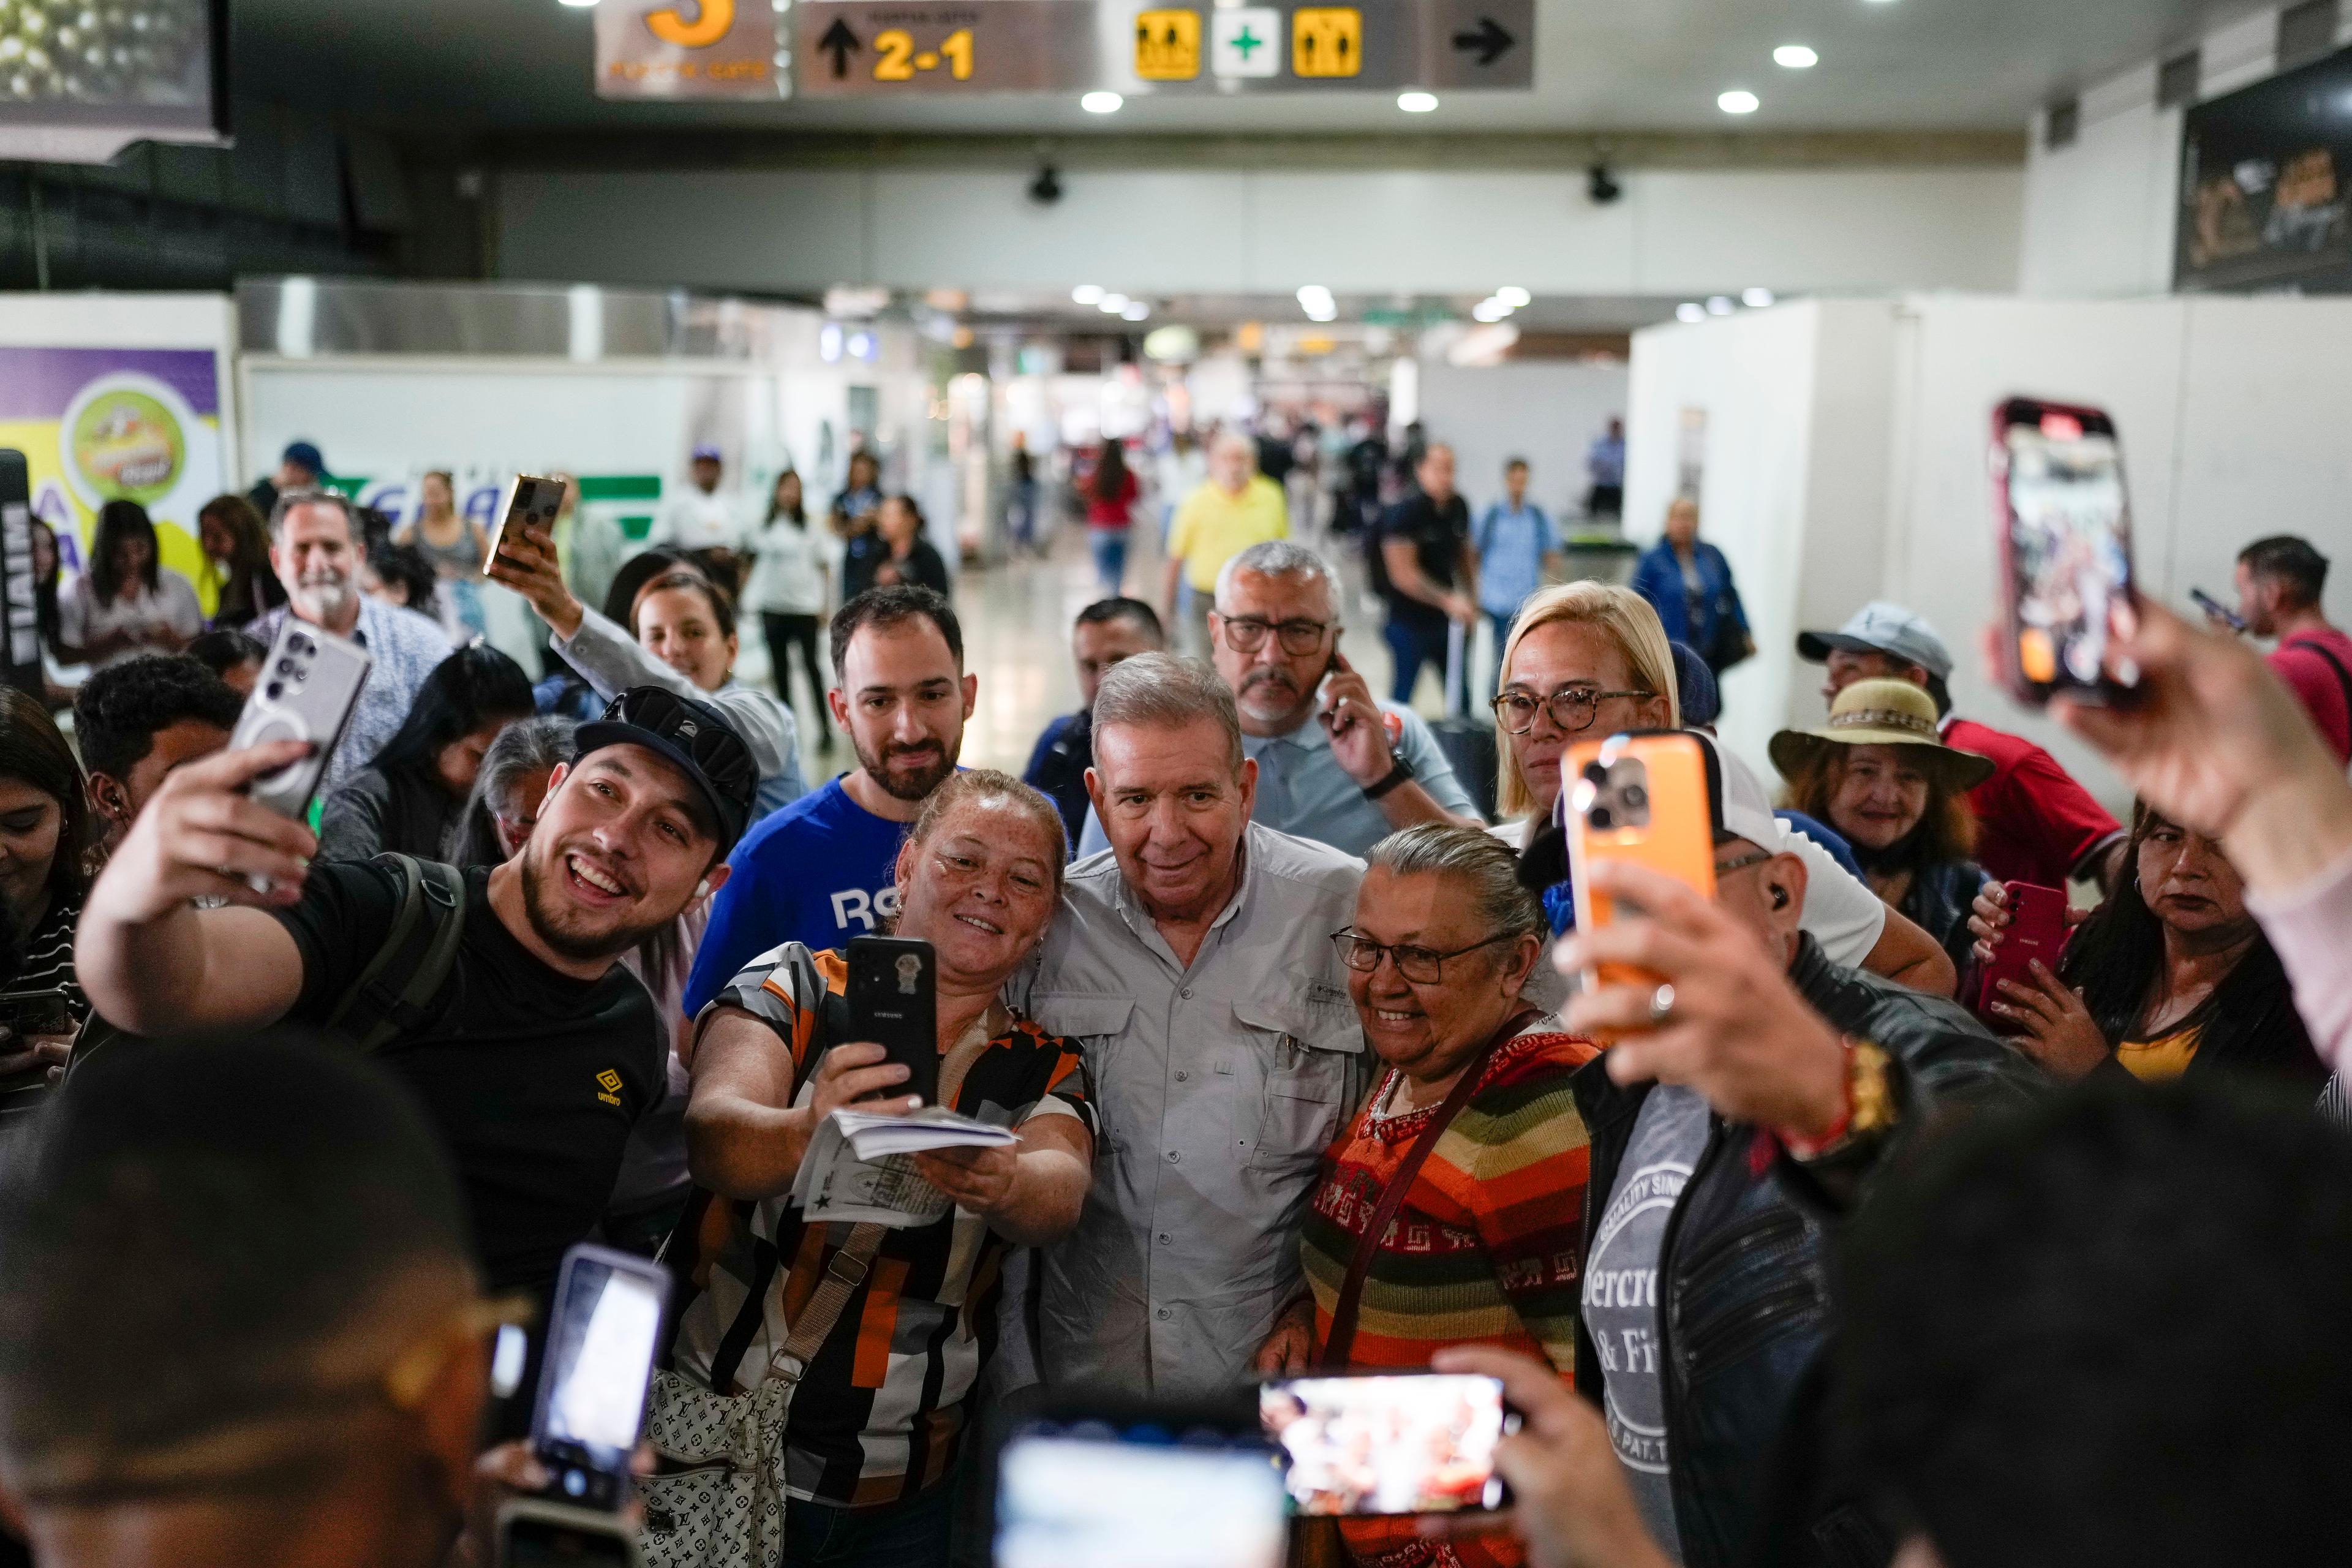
x: 858, y: 48
x: 689, y: 48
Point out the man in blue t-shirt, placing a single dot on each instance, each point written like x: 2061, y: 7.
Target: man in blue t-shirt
x: 820, y: 870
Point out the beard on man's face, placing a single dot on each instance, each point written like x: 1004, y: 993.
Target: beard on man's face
x: 902, y: 782
x: 551, y: 923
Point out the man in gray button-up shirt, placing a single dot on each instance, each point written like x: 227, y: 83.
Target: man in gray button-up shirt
x: 1194, y: 963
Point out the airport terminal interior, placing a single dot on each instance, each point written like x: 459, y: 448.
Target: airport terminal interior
x: 1927, y: 408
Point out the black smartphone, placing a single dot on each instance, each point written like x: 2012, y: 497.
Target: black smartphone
x: 893, y: 1002
x: 1388, y: 1443
x: 308, y: 690
x: 2065, y: 551
x: 604, y: 1330
x: 532, y: 501
x: 28, y: 1014
x: 2216, y: 610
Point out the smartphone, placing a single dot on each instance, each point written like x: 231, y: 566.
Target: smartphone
x: 2037, y: 930
x: 531, y: 501
x: 28, y: 1014
x: 2065, y: 546
x: 1388, y: 1443
x: 2219, y: 611
x: 604, y: 1330
x: 535, y: 1533
x: 308, y: 690
x: 893, y: 1002
x: 1644, y: 797
x: 1084, y: 1482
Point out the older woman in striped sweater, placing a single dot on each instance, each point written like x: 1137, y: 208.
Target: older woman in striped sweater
x: 1450, y: 1208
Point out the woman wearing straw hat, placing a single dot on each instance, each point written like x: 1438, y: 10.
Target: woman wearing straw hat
x: 1879, y: 774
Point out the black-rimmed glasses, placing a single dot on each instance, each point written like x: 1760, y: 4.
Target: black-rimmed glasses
x: 1572, y: 709
x: 1246, y: 633
x: 1423, y: 965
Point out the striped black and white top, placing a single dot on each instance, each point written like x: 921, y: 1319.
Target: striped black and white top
x: 49, y: 966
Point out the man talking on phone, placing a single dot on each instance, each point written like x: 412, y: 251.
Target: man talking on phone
x: 1329, y: 767
x: 535, y: 1053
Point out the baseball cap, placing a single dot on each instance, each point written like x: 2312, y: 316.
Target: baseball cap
x: 1735, y: 795
x: 1697, y: 694
x: 306, y: 454
x: 704, y: 452
x: 695, y: 736
x: 1881, y: 627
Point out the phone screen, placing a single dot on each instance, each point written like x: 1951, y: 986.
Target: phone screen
x: 602, y: 1335
x: 2070, y: 549
x: 1415, y: 1443
x: 1081, y: 1494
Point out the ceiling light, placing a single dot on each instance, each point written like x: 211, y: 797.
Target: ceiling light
x: 1795, y: 57
x: 1314, y: 296
x: 1755, y: 299
x: 1102, y: 103
x: 1112, y: 304
x: 1517, y: 299
x: 1490, y: 310
x: 1720, y: 305
x: 1739, y: 101
x: 1136, y: 311
x: 580, y: 4
x: 1688, y: 312
x: 1086, y: 294
x: 1417, y: 102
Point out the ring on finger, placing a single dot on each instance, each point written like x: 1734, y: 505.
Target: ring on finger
x: 1661, y: 1005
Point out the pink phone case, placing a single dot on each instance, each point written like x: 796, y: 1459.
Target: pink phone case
x: 2037, y: 930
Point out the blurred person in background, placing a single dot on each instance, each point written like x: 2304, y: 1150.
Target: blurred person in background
x: 315, y: 544
x: 1021, y: 502
x: 137, y: 721
x: 787, y: 589
x: 703, y: 519
x: 235, y: 542
x: 2035, y: 823
x: 1182, y: 468
x: 681, y: 636
x: 1426, y: 572
x: 1604, y: 473
x: 299, y: 1371
x: 455, y: 548
x: 512, y: 781
x: 46, y: 840
x: 853, y: 510
x: 1518, y: 550
x: 127, y: 603
x: 1481, y: 1244
x: 1899, y: 797
x: 400, y: 575
x: 1689, y: 582
x: 590, y: 544
x: 300, y: 468
x: 902, y: 557
x: 2280, y: 581
x: 2172, y: 977
x: 1112, y: 495
x: 413, y: 791
x: 1108, y: 631
x: 1234, y: 508
x: 233, y: 656
x: 819, y: 872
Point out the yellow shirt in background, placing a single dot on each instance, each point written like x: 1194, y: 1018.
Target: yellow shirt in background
x: 2159, y: 1061
x: 1213, y: 526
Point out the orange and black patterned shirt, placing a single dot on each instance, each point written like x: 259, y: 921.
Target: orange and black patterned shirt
x: 880, y: 1415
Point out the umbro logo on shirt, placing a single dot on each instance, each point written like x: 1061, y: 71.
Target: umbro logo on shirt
x: 609, y: 1087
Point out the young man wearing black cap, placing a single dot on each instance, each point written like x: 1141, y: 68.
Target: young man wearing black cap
x: 535, y: 1052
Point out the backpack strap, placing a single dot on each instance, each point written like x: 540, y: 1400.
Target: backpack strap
x: 395, y: 993
x: 2343, y: 676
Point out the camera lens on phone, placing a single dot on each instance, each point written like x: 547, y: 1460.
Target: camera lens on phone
x: 285, y: 666
x: 1634, y: 797
x: 275, y: 689
x: 1596, y: 775
x: 299, y: 643
x: 1602, y: 818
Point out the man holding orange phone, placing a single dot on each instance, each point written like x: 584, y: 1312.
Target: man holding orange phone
x: 1746, y: 1065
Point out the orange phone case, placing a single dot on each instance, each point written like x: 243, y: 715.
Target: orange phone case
x: 1678, y: 840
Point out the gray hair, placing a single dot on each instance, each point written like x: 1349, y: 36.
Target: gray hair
x: 1162, y: 691
x: 1278, y: 558
x: 289, y: 500
x: 1484, y: 864
x: 524, y: 747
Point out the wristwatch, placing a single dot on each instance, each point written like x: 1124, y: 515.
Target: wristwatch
x: 1390, y: 780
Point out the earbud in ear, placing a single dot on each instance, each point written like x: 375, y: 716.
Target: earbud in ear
x: 1779, y: 897
x: 702, y: 887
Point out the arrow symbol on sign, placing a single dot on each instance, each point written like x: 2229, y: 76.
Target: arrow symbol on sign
x: 1490, y: 42
x: 840, y: 43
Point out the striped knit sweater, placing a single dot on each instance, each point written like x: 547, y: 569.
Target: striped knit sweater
x: 1486, y: 1249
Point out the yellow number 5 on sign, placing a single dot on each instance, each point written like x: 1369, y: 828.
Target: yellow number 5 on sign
x: 1326, y: 40
x: 710, y: 25
x: 1168, y: 46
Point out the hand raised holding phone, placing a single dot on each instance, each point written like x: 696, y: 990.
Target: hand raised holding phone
x: 1360, y: 742
x: 203, y: 836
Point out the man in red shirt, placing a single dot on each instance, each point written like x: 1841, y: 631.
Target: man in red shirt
x: 2035, y: 822
x: 2278, y: 585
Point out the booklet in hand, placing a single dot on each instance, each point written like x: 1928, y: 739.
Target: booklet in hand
x: 874, y: 1137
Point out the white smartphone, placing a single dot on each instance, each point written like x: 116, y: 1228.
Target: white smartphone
x: 309, y: 688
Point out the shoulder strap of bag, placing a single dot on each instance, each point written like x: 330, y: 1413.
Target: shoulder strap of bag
x: 1342, y: 1338
x: 395, y: 993
x: 2343, y: 676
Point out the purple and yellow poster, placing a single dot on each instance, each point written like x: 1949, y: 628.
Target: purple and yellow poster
x: 99, y: 424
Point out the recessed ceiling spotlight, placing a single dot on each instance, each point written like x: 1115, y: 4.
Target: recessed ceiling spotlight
x: 1795, y: 57
x: 1112, y: 304
x: 1690, y: 311
x: 1102, y: 103
x: 1417, y: 102
x: 1739, y: 101
x: 1720, y: 305
x: 1755, y: 299
x: 1086, y: 294
x: 1490, y: 310
x: 1517, y: 299
x: 1136, y: 311
x: 581, y: 5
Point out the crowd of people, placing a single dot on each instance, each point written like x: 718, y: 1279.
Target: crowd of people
x: 1815, y: 1245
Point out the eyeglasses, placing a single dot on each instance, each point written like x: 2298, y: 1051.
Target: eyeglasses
x: 1246, y: 634
x: 1571, y: 708
x: 1425, y: 965
x: 1728, y: 866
